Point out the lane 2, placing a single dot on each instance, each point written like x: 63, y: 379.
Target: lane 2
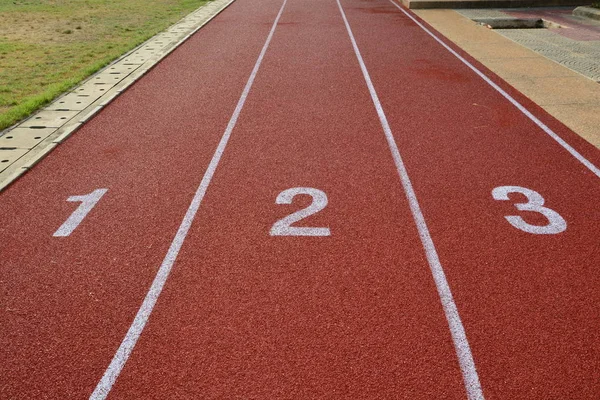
x: 345, y: 307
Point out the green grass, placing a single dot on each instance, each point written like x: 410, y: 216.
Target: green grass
x: 48, y: 46
x: 596, y: 4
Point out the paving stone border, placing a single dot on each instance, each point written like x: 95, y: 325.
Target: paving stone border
x: 25, y: 144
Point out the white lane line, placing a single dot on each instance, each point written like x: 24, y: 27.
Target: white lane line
x: 135, y: 330
x: 459, y: 337
x: 521, y: 108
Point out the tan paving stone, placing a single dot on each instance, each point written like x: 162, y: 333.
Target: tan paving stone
x: 73, y: 102
x: 49, y: 119
x: 558, y: 90
x: 581, y: 118
x: 134, y: 60
x: 91, y: 89
x: 121, y: 68
x: 7, y: 157
x: 506, y: 50
x: 527, y: 67
x: 107, y: 78
x: 25, y: 138
x: 461, y: 28
x: 158, y: 44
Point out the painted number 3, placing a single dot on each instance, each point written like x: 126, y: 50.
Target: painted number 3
x: 535, y: 203
x: 284, y: 227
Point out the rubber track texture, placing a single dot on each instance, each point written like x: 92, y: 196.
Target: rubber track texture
x: 527, y: 301
x: 353, y: 315
x: 67, y: 302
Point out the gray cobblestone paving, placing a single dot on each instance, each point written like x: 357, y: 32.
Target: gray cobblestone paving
x: 582, y: 56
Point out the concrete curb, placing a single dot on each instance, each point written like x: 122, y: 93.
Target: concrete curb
x: 587, y: 12
x: 25, y: 144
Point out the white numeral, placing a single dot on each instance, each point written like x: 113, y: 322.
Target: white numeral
x: 88, y: 202
x: 283, y: 226
x: 535, y: 203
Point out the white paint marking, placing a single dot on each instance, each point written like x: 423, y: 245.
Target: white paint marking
x: 88, y: 202
x: 459, y: 337
x: 521, y: 108
x: 535, y: 203
x: 284, y: 227
x: 135, y: 330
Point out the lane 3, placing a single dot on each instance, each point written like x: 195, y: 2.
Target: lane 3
x: 68, y: 301
x: 248, y: 315
x: 528, y: 301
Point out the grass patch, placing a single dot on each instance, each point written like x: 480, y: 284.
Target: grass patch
x: 596, y: 4
x: 48, y: 46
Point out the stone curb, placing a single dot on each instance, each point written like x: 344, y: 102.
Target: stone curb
x: 25, y: 144
x: 587, y: 12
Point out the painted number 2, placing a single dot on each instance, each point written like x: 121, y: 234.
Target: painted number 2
x: 88, y: 202
x: 284, y: 227
x: 535, y: 203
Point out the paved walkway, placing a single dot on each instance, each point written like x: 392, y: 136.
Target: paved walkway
x: 571, y: 41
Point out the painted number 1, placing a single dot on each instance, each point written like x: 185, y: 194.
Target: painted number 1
x: 535, y: 203
x: 88, y: 202
x: 284, y: 227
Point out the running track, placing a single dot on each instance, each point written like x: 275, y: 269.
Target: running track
x: 412, y: 283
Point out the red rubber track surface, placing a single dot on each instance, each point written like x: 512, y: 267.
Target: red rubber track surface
x: 67, y: 302
x: 353, y: 315
x: 529, y: 303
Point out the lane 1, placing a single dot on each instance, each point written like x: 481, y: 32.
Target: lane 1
x: 68, y: 300
x: 353, y: 314
x: 526, y: 288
